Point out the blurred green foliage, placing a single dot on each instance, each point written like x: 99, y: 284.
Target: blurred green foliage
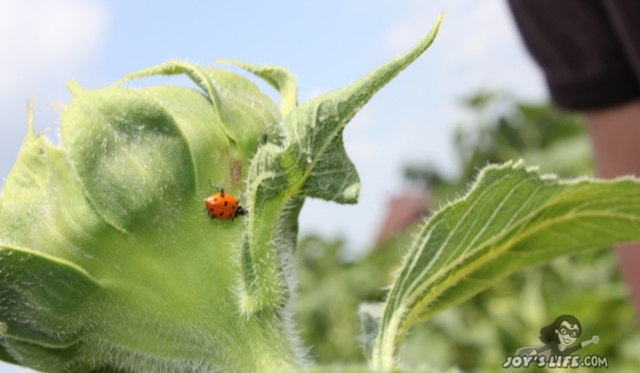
x: 478, y: 335
x: 331, y: 289
x: 500, y: 128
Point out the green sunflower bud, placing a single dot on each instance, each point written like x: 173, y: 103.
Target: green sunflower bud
x: 108, y: 260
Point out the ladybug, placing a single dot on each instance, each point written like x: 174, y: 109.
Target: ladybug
x: 222, y: 205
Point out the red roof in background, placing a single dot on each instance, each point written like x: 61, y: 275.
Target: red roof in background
x: 403, y: 212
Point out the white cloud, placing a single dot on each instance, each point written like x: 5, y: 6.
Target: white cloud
x: 39, y: 38
x: 43, y: 43
x: 478, y: 45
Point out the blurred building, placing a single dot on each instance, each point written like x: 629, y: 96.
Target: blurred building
x: 403, y: 212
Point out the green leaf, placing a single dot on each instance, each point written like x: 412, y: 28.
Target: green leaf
x: 313, y: 164
x: 511, y: 218
x: 370, y: 315
x: 279, y: 78
x: 5, y: 355
x: 134, y: 168
x: 58, y: 306
x: 334, y: 172
x: 245, y: 114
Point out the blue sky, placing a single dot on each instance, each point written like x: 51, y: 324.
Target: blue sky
x: 326, y: 44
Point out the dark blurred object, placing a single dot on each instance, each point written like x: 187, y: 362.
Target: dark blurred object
x: 589, y: 50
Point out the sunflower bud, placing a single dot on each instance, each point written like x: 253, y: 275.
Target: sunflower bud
x: 108, y: 260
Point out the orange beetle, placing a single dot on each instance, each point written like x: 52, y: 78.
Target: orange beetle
x: 222, y: 205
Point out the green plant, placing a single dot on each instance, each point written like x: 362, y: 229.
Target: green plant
x: 511, y: 218
x: 477, y: 334
x: 109, y: 263
x: 499, y: 129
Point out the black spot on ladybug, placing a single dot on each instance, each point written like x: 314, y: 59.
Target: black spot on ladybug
x: 225, y: 203
x: 221, y: 214
x: 215, y: 200
x: 233, y: 207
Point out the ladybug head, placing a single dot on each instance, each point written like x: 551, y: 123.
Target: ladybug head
x: 241, y: 211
